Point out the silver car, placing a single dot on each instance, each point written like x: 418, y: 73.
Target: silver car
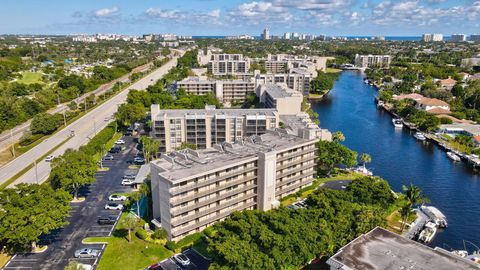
x: 87, y: 253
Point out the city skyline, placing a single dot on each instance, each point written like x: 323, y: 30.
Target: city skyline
x: 214, y: 17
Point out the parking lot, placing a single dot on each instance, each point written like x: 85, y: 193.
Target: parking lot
x: 197, y: 262
x: 337, y: 184
x: 63, y: 243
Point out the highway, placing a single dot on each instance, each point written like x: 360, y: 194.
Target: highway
x: 7, y: 137
x: 84, y: 128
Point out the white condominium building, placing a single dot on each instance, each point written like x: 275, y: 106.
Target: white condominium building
x: 210, y: 126
x: 227, y: 91
x: 432, y: 37
x: 364, y: 61
x: 192, y: 190
x: 297, y: 79
x: 222, y: 64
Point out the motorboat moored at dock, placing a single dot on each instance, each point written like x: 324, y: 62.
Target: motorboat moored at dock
x: 453, y: 156
x: 397, y: 123
x: 435, y: 215
x: 419, y: 136
x: 428, y: 232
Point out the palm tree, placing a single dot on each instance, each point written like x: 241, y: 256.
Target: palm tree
x: 338, y: 137
x: 404, y: 214
x: 136, y: 196
x: 146, y: 190
x: 365, y: 158
x: 414, y: 196
x: 129, y: 222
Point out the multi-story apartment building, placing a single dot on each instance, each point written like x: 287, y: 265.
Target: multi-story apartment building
x: 278, y: 96
x: 191, y: 190
x: 297, y: 79
x: 222, y: 64
x: 364, y: 61
x: 266, y: 34
x: 474, y: 37
x: 432, y: 37
x: 458, y: 37
x: 227, y: 91
x: 210, y: 126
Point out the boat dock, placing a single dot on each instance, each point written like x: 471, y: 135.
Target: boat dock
x: 416, y: 226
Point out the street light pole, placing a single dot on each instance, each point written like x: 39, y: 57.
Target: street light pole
x: 64, y: 118
x: 36, y: 172
x: 13, y: 143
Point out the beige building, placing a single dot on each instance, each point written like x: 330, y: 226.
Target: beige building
x: 227, y: 91
x: 210, y: 126
x: 278, y: 96
x: 366, y: 61
x: 297, y: 79
x: 191, y: 190
x: 222, y: 64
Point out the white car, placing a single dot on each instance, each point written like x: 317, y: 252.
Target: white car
x: 113, y: 206
x: 49, y: 158
x: 127, y: 182
x: 181, y: 259
x: 116, y: 197
x: 120, y: 142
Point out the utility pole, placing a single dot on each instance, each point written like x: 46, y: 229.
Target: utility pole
x: 13, y: 143
x: 64, y: 118
x: 94, y: 126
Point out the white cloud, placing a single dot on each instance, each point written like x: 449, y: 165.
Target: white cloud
x: 314, y: 4
x: 214, y: 13
x: 106, y: 12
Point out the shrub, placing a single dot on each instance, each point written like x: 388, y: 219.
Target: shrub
x: 170, y: 245
x: 445, y: 120
x: 459, y: 115
x: 159, y: 234
x: 142, y: 234
x: 29, y: 139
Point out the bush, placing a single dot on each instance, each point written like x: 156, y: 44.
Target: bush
x: 209, y: 232
x: 159, y: 234
x: 29, y: 139
x: 142, y: 234
x: 459, y: 115
x: 445, y: 121
x: 170, y: 245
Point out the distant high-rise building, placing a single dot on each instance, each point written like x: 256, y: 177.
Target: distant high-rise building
x: 266, y: 33
x: 475, y: 37
x: 287, y: 35
x: 381, y: 38
x: 458, y: 37
x: 432, y: 37
x: 295, y: 35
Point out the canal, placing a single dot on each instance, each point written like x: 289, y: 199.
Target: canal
x: 401, y: 160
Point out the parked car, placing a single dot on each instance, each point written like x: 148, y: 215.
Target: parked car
x: 139, y: 160
x: 115, y: 150
x: 129, y: 176
x: 127, y: 182
x: 120, y: 142
x: 116, y: 197
x: 110, y: 220
x: 181, y: 259
x: 108, y: 157
x: 113, y: 206
x: 49, y: 158
x: 87, y: 253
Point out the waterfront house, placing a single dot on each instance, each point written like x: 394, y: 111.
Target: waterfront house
x: 413, y: 96
x: 460, y: 129
x: 433, y: 105
x: 447, y: 84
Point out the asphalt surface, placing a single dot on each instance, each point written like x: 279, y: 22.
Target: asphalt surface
x: 197, y: 262
x: 63, y: 243
x: 85, y: 128
x: 8, y: 137
x: 337, y: 184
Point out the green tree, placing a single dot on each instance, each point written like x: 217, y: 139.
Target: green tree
x: 28, y: 211
x: 45, y: 123
x: 127, y: 113
x: 136, y: 196
x: 72, y: 170
x: 332, y: 154
x: 74, y: 265
x: 185, y: 145
x: 413, y: 195
x: 365, y: 158
x: 338, y: 137
x: 150, y: 147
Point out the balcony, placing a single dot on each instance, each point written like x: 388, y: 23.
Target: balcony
x: 180, y: 220
x: 180, y: 210
x: 301, y: 168
x: 295, y: 162
x: 292, y: 187
x: 177, y: 190
x: 177, y: 201
x: 296, y: 154
x: 179, y: 231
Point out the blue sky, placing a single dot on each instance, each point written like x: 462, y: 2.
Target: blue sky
x: 229, y: 17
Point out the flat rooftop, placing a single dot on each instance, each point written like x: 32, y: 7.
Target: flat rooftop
x: 206, y: 80
x: 470, y: 128
x: 279, y: 91
x: 199, y: 113
x: 381, y: 249
x: 191, y: 163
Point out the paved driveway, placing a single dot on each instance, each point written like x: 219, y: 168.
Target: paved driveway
x: 63, y: 243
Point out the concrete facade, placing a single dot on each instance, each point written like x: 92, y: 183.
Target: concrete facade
x: 366, y: 61
x: 191, y: 190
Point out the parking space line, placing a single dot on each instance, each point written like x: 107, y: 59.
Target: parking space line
x: 18, y: 267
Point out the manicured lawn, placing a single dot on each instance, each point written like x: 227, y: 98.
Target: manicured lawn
x: 303, y: 193
x: 394, y: 222
x: 120, y: 254
x: 30, y: 77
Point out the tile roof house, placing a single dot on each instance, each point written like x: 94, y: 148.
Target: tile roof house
x: 433, y: 105
x: 413, y: 96
x: 447, y: 84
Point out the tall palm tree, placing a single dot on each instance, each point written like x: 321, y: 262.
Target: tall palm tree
x: 404, y: 214
x: 365, y: 158
x: 414, y: 195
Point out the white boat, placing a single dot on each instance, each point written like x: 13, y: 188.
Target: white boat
x: 428, y: 232
x: 460, y: 253
x: 397, y: 123
x: 419, y: 136
x: 380, y: 103
x: 453, y: 156
x: 363, y: 170
x: 435, y: 215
